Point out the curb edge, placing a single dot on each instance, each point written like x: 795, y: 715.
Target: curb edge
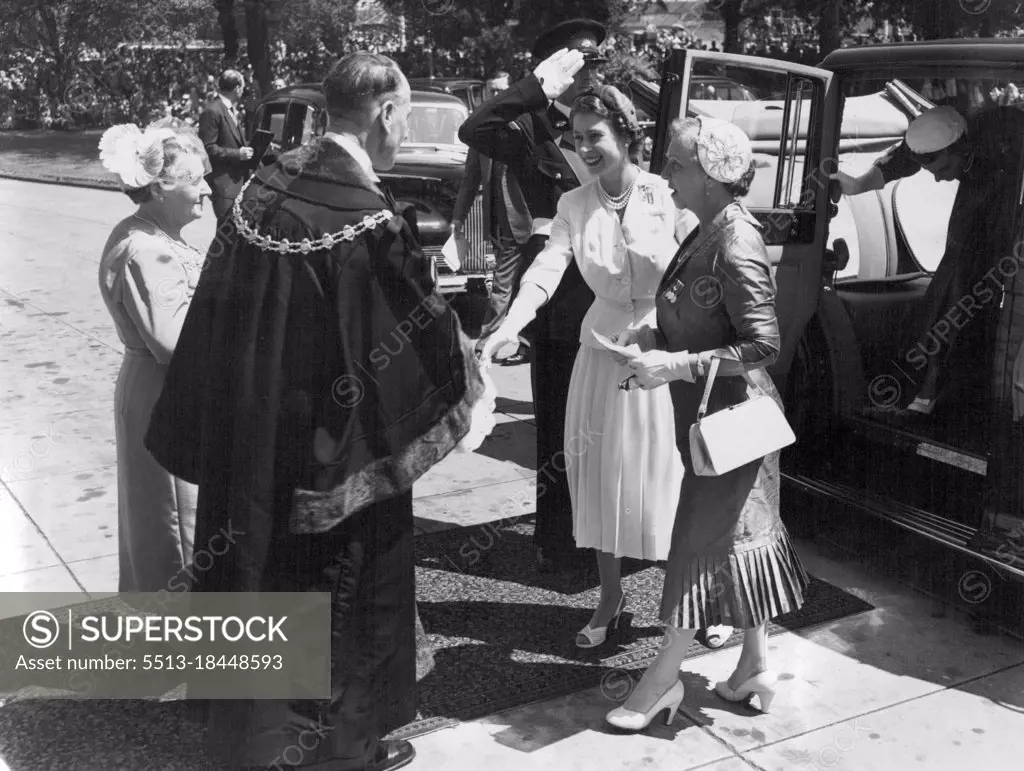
x: 57, y: 179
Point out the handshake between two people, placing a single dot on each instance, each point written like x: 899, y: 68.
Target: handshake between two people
x: 633, y: 349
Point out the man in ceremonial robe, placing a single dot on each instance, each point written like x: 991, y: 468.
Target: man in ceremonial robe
x: 317, y: 376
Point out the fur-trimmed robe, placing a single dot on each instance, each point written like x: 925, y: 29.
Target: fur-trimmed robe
x: 307, y: 393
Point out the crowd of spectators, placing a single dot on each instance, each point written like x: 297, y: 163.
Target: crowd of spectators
x: 140, y: 84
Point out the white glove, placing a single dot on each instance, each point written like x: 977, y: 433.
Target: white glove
x: 506, y: 334
x: 643, y: 338
x: 653, y: 369
x: 556, y: 73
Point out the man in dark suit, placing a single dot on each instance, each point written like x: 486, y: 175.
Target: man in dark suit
x: 527, y: 128
x: 508, y: 225
x: 306, y: 430
x: 220, y: 128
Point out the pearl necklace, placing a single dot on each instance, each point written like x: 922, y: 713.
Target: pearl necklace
x: 193, y: 261
x: 164, y: 233
x: 616, y: 202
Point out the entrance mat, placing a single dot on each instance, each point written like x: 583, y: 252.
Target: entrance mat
x: 502, y: 633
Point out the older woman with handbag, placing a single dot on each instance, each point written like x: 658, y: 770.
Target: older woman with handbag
x: 731, y: 560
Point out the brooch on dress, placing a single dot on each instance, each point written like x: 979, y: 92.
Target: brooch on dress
x: 646, y: 194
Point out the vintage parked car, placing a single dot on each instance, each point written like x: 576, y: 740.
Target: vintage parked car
x: 712, y: 87
x: 470, y: 91
x: 427, y: 174
x: 852, y: 273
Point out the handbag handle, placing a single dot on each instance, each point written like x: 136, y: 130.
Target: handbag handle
x: 715, y: 361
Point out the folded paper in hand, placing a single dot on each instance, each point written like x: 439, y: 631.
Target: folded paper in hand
x: 630, y: 351
x: 453, y: 251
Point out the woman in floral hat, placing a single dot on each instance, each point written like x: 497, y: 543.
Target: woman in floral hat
x: 731, y: 559
x: 147, y: 275
x: 620, y: 455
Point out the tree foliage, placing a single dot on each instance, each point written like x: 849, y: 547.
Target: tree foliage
x: 309, y: 24
x: 501, y: 28
x: 57, y: 39
x: 950, y: 18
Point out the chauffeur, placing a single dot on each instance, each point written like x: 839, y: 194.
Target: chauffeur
x: 984, y: 154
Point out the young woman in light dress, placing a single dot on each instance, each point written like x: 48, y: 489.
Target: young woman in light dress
x: 622, y: 463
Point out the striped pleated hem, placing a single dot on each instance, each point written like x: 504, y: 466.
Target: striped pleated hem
x: 743, y: 589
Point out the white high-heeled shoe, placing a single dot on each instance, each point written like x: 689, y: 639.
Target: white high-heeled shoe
x: 922, y: 406
x: 591, y: 638
x: 628, y: 720
x: 761, y: 685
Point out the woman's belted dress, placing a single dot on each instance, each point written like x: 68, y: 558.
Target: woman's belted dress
x: 620, y: 456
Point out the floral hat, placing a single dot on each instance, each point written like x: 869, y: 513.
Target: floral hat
x: 135, y: 156
x: 723, y: 150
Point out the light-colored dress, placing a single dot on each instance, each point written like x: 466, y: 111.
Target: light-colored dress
x: 147, y: 280
x: 621, y: 459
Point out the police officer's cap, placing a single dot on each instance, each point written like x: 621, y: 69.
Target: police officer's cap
x: 584, y: 35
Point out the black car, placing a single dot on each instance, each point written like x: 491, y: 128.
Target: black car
x: 427, y: 173
x: 941, y: 493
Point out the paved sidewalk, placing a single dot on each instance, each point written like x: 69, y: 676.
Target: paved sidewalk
x: 891, y: 689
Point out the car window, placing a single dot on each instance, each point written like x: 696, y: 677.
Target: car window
x: 779, y: 182
x: 462, y: 92
x: 436, y: 124
x: 294, y: 133
x: 311, y: 123
x: 721, y: 88
x: 273, y: 119
x: 876, y: 115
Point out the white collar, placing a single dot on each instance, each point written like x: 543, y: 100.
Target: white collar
x: 227, y: 102
x: 353, y: 148
x: 566, y: 111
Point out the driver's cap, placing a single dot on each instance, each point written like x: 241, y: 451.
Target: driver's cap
x: 935, y: 130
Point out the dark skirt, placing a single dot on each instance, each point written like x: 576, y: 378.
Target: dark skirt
x: 731, y: 560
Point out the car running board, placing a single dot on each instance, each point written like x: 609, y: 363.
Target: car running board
x: 919, y: 444
x: 962, y: 538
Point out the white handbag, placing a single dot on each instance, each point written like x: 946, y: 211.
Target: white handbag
x: 739, y: 434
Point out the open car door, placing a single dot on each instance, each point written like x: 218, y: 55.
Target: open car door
x: 792, y: 125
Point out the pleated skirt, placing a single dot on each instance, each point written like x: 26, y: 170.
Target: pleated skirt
x: 731, y: 561
x: 621, y: 460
